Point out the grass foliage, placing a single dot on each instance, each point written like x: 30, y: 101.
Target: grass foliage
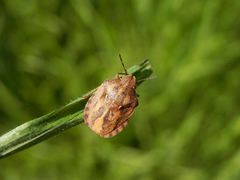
x: 187, y: 125
x: 59, y: 120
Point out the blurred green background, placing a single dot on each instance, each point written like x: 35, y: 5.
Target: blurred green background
x: 187, y: 126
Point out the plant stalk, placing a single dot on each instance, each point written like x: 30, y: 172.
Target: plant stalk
x: 44, y: 127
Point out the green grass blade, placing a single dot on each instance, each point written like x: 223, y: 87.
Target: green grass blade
x: 44, y: 127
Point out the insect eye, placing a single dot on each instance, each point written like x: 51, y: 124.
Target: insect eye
x: 125, y: 106
x: 121, y: 107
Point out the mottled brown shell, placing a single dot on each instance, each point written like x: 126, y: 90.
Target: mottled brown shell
x: 108, y: 110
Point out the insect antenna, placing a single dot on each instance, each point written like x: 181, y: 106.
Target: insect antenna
x: 123, y: 64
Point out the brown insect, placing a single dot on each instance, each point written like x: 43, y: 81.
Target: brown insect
x: 108, y: 110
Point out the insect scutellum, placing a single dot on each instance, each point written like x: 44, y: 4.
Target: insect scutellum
x: 123, y: 64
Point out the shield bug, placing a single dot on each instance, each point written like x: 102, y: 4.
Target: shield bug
x: 108, y: 110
